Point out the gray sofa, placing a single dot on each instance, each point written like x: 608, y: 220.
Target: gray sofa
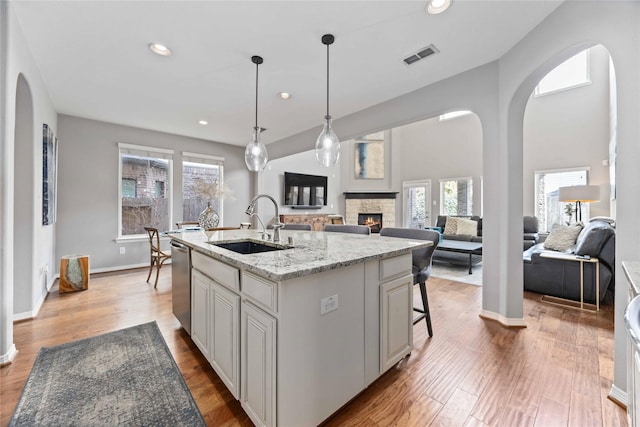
x: 530, y: 238
x: 561, y: 278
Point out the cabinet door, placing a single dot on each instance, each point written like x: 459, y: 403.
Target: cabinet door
x: 200, y: 285
x: 258, y: 371
x: 225, y: 330
x: 396, y: 326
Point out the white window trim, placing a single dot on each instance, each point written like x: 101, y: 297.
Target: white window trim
x: 189, y: 157
x: 204, y: 159
x: 464, y: 178
x: 549, y: 171
x: 462, y: 113
x: 417, y: 183
x: 142, y: 150
x: 536, y: 90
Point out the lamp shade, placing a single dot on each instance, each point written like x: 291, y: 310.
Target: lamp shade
x: 579, y: 193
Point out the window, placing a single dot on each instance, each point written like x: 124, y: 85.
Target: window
x: 571, y: 73
x: 129, y: 187
x: 454, y: 115
x: 417, y: 202
x: 548, y: 209
x: 456, y: 196
x: 201, y: 184
x: 145, y: 192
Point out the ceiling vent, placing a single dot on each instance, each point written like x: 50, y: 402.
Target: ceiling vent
x: 421, y: 54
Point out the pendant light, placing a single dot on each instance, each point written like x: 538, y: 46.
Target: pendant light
x: 327, y: 144
x: 255, y: 155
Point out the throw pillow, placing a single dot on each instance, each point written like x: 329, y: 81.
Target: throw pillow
x: 467, y: 227
x: 451, y: 225
x: 562, y: 237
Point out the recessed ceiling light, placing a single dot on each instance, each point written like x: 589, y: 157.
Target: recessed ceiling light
x: 203, y: 122
x: 159, y: 49
x: 284, y: 95
x: 438, y: 6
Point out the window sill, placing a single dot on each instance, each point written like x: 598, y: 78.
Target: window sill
x: 136, y: 239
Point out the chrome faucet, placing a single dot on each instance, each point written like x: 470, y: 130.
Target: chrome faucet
x: 277, y: 225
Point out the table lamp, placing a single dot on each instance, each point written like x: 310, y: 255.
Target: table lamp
x: 579, y: 194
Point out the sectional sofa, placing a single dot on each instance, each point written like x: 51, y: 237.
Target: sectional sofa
x: 530, y: 237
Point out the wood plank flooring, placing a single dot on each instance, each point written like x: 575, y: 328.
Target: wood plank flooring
x: 473, y: 372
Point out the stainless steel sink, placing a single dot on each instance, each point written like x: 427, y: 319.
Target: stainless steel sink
x: 249, y: 247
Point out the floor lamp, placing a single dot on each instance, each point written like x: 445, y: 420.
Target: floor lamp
x: 579, y: 194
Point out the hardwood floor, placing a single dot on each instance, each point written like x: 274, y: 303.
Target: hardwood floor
x: 473, y: 372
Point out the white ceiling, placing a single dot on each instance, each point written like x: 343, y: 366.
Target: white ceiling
x: 94, y: 59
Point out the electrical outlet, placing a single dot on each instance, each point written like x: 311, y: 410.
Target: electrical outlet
x: 328, y: 304
x: 123, y: 250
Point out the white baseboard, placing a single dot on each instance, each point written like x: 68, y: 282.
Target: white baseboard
x: 120, y: 267
x: 619, y: 396
x: 7, y: 358
x: 509, y: 322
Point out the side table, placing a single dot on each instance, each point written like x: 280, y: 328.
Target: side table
x: 582, y: 261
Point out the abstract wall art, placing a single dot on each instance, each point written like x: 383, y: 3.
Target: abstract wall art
x: 49, y: 175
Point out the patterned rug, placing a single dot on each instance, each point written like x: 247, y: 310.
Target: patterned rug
x: 127, y: 377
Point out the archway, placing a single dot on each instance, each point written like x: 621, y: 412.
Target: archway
x: 23, y: 189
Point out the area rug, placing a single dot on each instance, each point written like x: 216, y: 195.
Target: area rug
x: 127, y: 377
x: 458, y: 273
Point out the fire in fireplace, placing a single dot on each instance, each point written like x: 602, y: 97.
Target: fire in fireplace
x: 372, y: 220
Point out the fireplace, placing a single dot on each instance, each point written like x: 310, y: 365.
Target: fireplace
x: 372, y: 220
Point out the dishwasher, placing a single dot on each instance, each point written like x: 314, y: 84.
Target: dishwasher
x: 181, y: 283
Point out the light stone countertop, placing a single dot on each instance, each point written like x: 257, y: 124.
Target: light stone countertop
x: 632, y: 272
x: 312, y: 251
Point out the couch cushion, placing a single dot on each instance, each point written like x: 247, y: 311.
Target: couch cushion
x: 593, y: 237
x: 451, y: 226
x: 466, y: 227
x: 562, y: 237
x: 530, y: 224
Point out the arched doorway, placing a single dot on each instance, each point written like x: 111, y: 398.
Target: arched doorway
x: 23, y: 190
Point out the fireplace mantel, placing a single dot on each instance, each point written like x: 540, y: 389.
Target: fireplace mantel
x: 383, y: 202
x: 370, y: 194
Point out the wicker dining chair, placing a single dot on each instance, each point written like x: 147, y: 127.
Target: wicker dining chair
x: 156, y: 256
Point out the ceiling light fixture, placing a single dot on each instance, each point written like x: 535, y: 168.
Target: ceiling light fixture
x: 438, y: 6
x: 255, y: 155
x: 159, y: 49
x: 203, y: 122
x: 284, y: 95
x: 327, y: 144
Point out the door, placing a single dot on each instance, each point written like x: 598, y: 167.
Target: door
x: 396, y: 321
x: 199, y: 312
x: 416, y: 207
x: 225, y: 330
x: 258, y: 365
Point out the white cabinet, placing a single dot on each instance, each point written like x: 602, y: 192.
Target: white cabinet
x: 215, y: 317
x: 200, y: 311
x: 396, y: 331
x: 258, y: 365
x: 224, y: 311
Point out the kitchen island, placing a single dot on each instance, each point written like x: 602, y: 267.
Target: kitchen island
x: 296, y: 333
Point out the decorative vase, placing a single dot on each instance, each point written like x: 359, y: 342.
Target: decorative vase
x: 208, y: 218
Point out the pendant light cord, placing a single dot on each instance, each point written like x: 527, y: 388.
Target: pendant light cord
x: 257, y: 65
x: 327, y: 80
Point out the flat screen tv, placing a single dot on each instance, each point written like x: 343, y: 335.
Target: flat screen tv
x: 306, y: 191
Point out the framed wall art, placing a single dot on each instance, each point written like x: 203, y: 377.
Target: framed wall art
x: 369, y: 156
x: 49, y: 175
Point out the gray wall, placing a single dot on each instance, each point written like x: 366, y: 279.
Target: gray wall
x: 26, y: 111
x: 272, y: 183
x: 88, y: 187
x: 571, y: 129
